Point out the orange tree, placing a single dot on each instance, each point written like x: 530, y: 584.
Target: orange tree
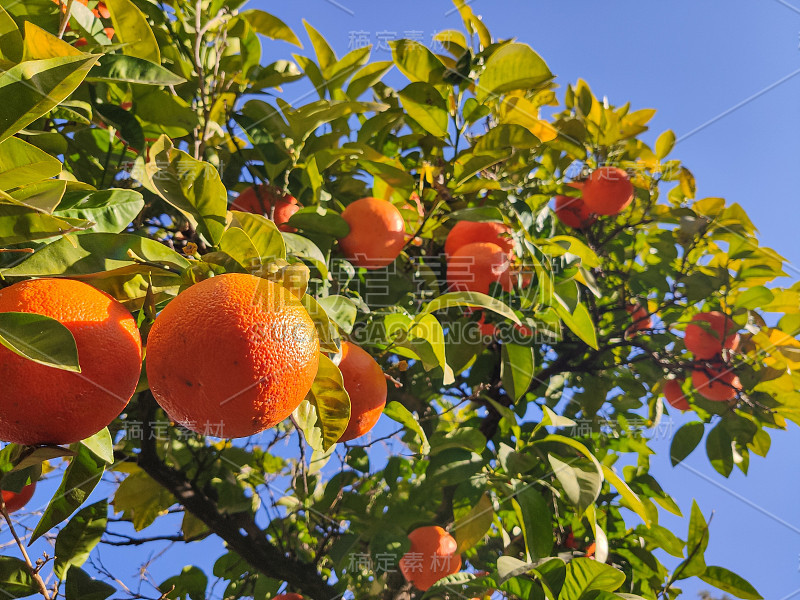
x: 521, y: 367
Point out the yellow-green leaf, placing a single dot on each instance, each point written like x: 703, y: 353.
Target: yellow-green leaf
x: 133, y: 30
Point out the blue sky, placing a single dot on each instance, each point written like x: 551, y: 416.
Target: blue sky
x: 726, y: 78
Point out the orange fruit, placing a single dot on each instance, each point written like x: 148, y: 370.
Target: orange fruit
x: 640, y: 317
x: 432, y: 556
x: 475, y: 266
x: 16, y: 500
x: 674, y: 395
x: 590, y: 550
x: 716, y: 332
x: 720, y: 386
x: 288, y: 597
x: 44, y: 405
x: 366, y: 385
x: 232, y: 355
x: 102, y: 10
x: 377, y: 233
x: 608, y: 191
x: 488, y: 330
x: 470, y: 232
x: 109, y: 31
x: 573, y: 212
x: 259, y: 199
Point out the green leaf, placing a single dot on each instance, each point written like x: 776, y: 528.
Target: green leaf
x: 685, y: 441
x: 80, y: 586
x: 474, y: 299
x: 78, y: 537
x: 191, y: 583
x: 664, y: 144
x: 236, y: 244
x: 22, y: 163
x: 512, y: 67
x: 368, y: 76
x: 663, y: 538
x: 416, y: 62
x: 141, y: 499
x: 477, y: 214
x: 162, y: 113
x: 426, y: 106
x: 535, y: 518
x: 581, y: 480
x: 15, y: 578
x: 192, y: 186
x: 586, y: 575
x: 10, y: 38
x: 551, y: 418
x: 101, y: 445
x: 730, y: 582
x: 696, y: 545
x: 130, y: 69
x: 302, y: 247
x: 79, y: 480
x: 96, y: 253
x: 453, y: 466
x: 754, y: 297
x: 631, y: 499
x: 341, y: 310
x: 325, y: 55
x: 719, y: 449
x: 470, y: 529
x: 331, y: 401
x: 579, y: 322
x: 270, y: 26
x: 315, y: 220
x: 30, y: 89
x: 40, y: 339
x: 111, y: 211
x: 263, y: 233
x: 329, y: 340
x: 397, y: 412
x: 132, y: 29
x: 516, y: 369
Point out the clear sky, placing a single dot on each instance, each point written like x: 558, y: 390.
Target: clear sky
x: 725, y: 76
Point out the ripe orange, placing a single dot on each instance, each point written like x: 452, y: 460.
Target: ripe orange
x: 674, y: 395
x: 721, y: 386
x: 608, y: 191
x: 288, y: 597
x: 232, y: 355
x: 377, y: 233
x: 716, y: 332
x: 470, y: 232
x: 432, y: 556
x: 43, y: 405
x: 259, y: 199
x: 475, y: 266
x: 488, y: 330
x: 573, y: 212
x: 102, y: 10
x: 366, y: 385
x: 640, y: 317
x: 16, y: 500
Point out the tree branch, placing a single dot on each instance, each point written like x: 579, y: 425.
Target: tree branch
x: 33, y: 570
x: 240, y: 532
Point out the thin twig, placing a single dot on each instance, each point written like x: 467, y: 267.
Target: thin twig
x: 33, y: 570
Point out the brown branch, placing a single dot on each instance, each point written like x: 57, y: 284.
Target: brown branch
x: 239, y: 531
x: 33, y: 570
